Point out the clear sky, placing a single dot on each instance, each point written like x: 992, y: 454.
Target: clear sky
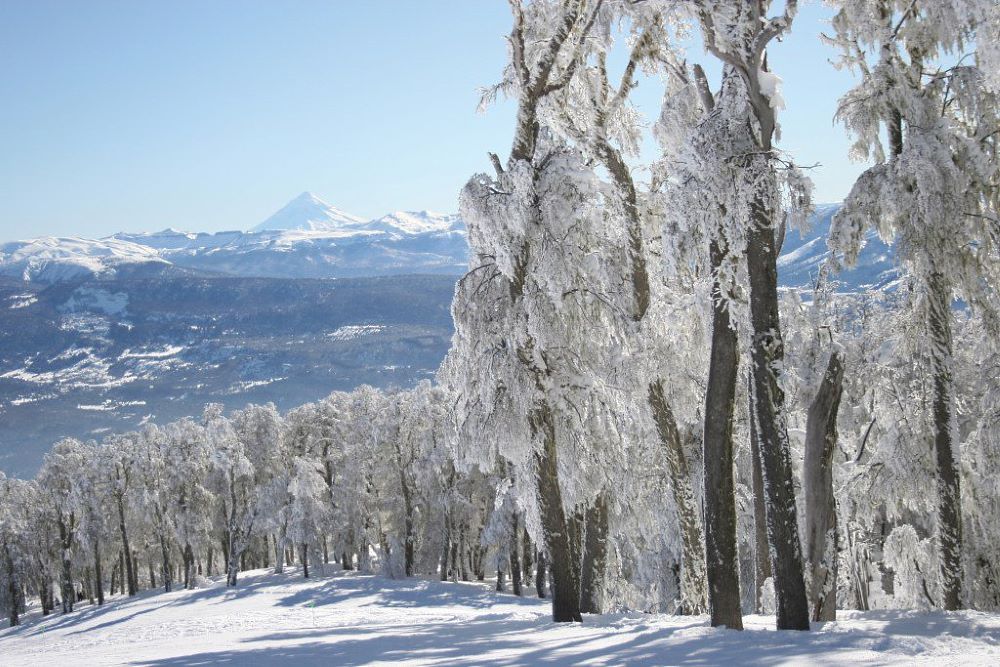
x: 211, y: 114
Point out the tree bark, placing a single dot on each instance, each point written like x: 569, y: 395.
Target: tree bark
x: 555, y: 528
x: 98, y: 575
x: 595, y: 555
x: 767, y: 353
x: 304, y: 557
x: 66, y: 546
x: 720, y: 499
x: 13, y: 588
x: 446, y: 551
x: 408, y: 539
x: 540, y: 569
x: 515, y: 563
x: 188, y: 566
x: 130, y: 574
x: 821, y: 512
x: 167, y: 569
x: 694, y: 590
x: 948, y: 479
x: 762, y: 557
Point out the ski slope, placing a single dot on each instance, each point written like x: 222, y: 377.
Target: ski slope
x: 355, y: 619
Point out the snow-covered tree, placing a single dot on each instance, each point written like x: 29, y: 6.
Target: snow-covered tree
x: 932, y: 192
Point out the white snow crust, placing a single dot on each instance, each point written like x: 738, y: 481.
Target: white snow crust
x: 355, y: 619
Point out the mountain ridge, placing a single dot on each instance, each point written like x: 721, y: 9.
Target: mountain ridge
x: 309, y: 238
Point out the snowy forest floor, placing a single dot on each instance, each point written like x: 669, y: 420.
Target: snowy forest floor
x: 354, y: 619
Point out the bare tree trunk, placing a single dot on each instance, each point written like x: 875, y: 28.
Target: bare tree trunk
x: 462, y: 554
x: 167, y: 568
x: 408, y: 539
x: 98, y: 575
x: 45, y: 594
x: 188, y: 566
x: 948, y: 479
x: 694, y: 591
x: 767, y: 353
x: 720, y: 497
x: 762, y: 557
x: 131, y: 576
x: 515, y: 563
x: 527, y: 553
x: 555, y: 528
x: 821, y: 512
x: 540, y: 570
x: 304, y: 557
x: 66, y: 545
x: 279, y: 550
x: 445, y: 552
x: 13, y: 588
x: 595, y: 555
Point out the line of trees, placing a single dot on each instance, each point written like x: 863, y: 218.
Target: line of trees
x: 632, y: 414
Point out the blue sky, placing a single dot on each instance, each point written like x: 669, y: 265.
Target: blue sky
x: 211, y: 114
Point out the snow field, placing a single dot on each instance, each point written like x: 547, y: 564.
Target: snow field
x: 356, y: 619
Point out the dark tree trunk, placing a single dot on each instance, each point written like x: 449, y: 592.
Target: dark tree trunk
x: 720, y: 499
x: 45, y: 595
x: 515, y: 562
x: 500, y: 585
x: 948, y: 479
x: 462, y: 554
x: 555, y: 528
x: 167, y: 571
x: 767, y: 353
x: 98, y: 574
x: 693, y: 584
x: 408, y: 538
x: 13, y: 589
x: 821, y: 512
x: 131, y: 576
x: 66, y: 545
x: 446, y: 550
x: 304, y: 557
x: 345, y: 561
x: 540, y: 570
x: 527, y: 554
x: 152, y: 575
x: 188, y: 566
x: 762, y: 558
x: 595, y: 555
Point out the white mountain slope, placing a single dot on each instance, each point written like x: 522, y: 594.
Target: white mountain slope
x: 310, y: 213
x: 416, y: 222
x: 50, y: 259
x: 350, y: 618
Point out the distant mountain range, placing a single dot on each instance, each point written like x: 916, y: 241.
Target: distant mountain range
x: 102, y: 335
x: 307, y: 238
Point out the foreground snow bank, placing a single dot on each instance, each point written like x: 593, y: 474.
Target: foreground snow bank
x: 353, y: 619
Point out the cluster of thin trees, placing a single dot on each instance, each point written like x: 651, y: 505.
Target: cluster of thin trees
x: 631, y: 410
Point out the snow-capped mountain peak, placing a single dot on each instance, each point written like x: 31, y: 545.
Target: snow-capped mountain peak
x: 307, y: 212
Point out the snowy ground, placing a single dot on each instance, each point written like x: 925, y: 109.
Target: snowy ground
x: 353, y: 619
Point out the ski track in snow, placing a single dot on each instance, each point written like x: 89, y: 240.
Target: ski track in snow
x: 356, y: 619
